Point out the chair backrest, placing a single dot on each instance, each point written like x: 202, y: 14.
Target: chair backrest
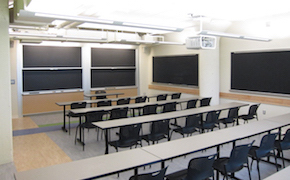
x: 129, y: 133
x: 160, y: 127
x: 169, y: 107
x: 267, y: 145
x: 157, y: 175
x: 104, y: 103
x: 212, y: 117
x: 100, y: 92
x: 285, y: 143
x: 200, y: 168
x: 193, y: 120
x: 123, y: 101
x: 140, y: 99
x: 253, y: 110
x: 238, y: 157
x: 233, y: 112
x: 118, y: 113
x: 78, y: 105
x: 175, y: 96
x: 205, y: 102
x: 94, y: 116
x: 150, y: 109
x: 161, y: 97
x: 191, y: 103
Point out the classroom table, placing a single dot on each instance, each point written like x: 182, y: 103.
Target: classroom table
x: 68, y: 103
x: 94, y: 167
x: 83, y: 111
x: 102, y: 94
x: 283, y: 174
x: 106, y: 125
x: 104, y: 165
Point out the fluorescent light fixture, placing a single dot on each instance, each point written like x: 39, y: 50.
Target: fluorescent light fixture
x: 170, y: 43
x: 152, y: 42
x: 222, y: 34
x: 152, y: 26
x: 31, y: 35
x: 83, y: 37
x: 74, y: 18
x: 103, y: 21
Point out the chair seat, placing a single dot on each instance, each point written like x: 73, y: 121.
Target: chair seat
x: 177, y: 175
x: 246, y: 117
x: 185, y: 130
x: 123, y: 144
x: 282, y: 145
x: 88, y: 126
x: 227, y: 120
x: 153, y: 137
x: 220, y: 163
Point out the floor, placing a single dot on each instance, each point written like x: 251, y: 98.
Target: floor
x: 38, y: 141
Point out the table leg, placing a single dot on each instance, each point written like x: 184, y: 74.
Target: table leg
x: 218, y: 156
x: 162, y: 164
x: 107, y: 141
x: 63, y: 127
x: 80, y: 139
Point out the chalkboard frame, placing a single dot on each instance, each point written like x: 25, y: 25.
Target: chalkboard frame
x: 263, y: 72
x: 175, y: 70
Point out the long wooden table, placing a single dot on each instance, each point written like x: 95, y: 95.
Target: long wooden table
x: 101, y: 166
x: 283, y: 174
x: 106, y: 125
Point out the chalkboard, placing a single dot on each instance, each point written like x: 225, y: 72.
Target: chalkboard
x: 180, y: 70
x: 261, y: 71
x: 36, y: 80
x: 102, y: 57
x: 112, y: 77
x: 51, y: 56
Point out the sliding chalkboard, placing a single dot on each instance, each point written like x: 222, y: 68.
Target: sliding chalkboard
x: 112, y: 67
x: 36, y: 80
x: 112, y: 77
x: 102, y: 57
x: 261, y: 71
x: 51, y: 56
x: 181, y: 70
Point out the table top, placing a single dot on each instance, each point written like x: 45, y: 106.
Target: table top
x: 134, y: 105
x: 280, y: 175
x: 91, y: 167
x: 200, y: 142
x: 162, y: 116
x: 102, y: 94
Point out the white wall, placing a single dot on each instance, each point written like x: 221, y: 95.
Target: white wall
x: 6, y: 152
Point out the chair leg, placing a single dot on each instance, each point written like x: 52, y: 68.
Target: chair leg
x: 76, y: 135
x: 258, y: 168
x: 69, y: 125
x: 249, y: 171
x: 276, y: 164
x: 83, y: 139
x: 281, y: 152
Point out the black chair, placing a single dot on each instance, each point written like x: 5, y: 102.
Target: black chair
x: 199, y: 168
x: 140, y: 99
x: 161, y: 97
x: 283, y: 144
x: 210, y: 122
x: 252, y: 114
x: 205, y: 102
x: 123, y: 101
x: 169, y: 107
x: 128, y: 137
x: 191, y: 103
x: 158, y: 130
x: 233, y: 115
x: 90, y: 117
x: 191, y: 124
x: 118, y: 113
x: 157, y: 175
x: 76, y: 105
x: 238, y: 160
x: 100, y: 92
x: 104, y: 103
x: 150, y: 109
x: 266, y: 149
x: 175, y: 96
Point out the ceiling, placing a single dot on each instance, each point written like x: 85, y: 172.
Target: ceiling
x: 163, y: 13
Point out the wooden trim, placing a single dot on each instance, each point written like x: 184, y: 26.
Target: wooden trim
x: 174, y: 89
x: 258, y: 99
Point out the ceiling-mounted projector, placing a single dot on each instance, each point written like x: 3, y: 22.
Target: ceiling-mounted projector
x: 201, y: 42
